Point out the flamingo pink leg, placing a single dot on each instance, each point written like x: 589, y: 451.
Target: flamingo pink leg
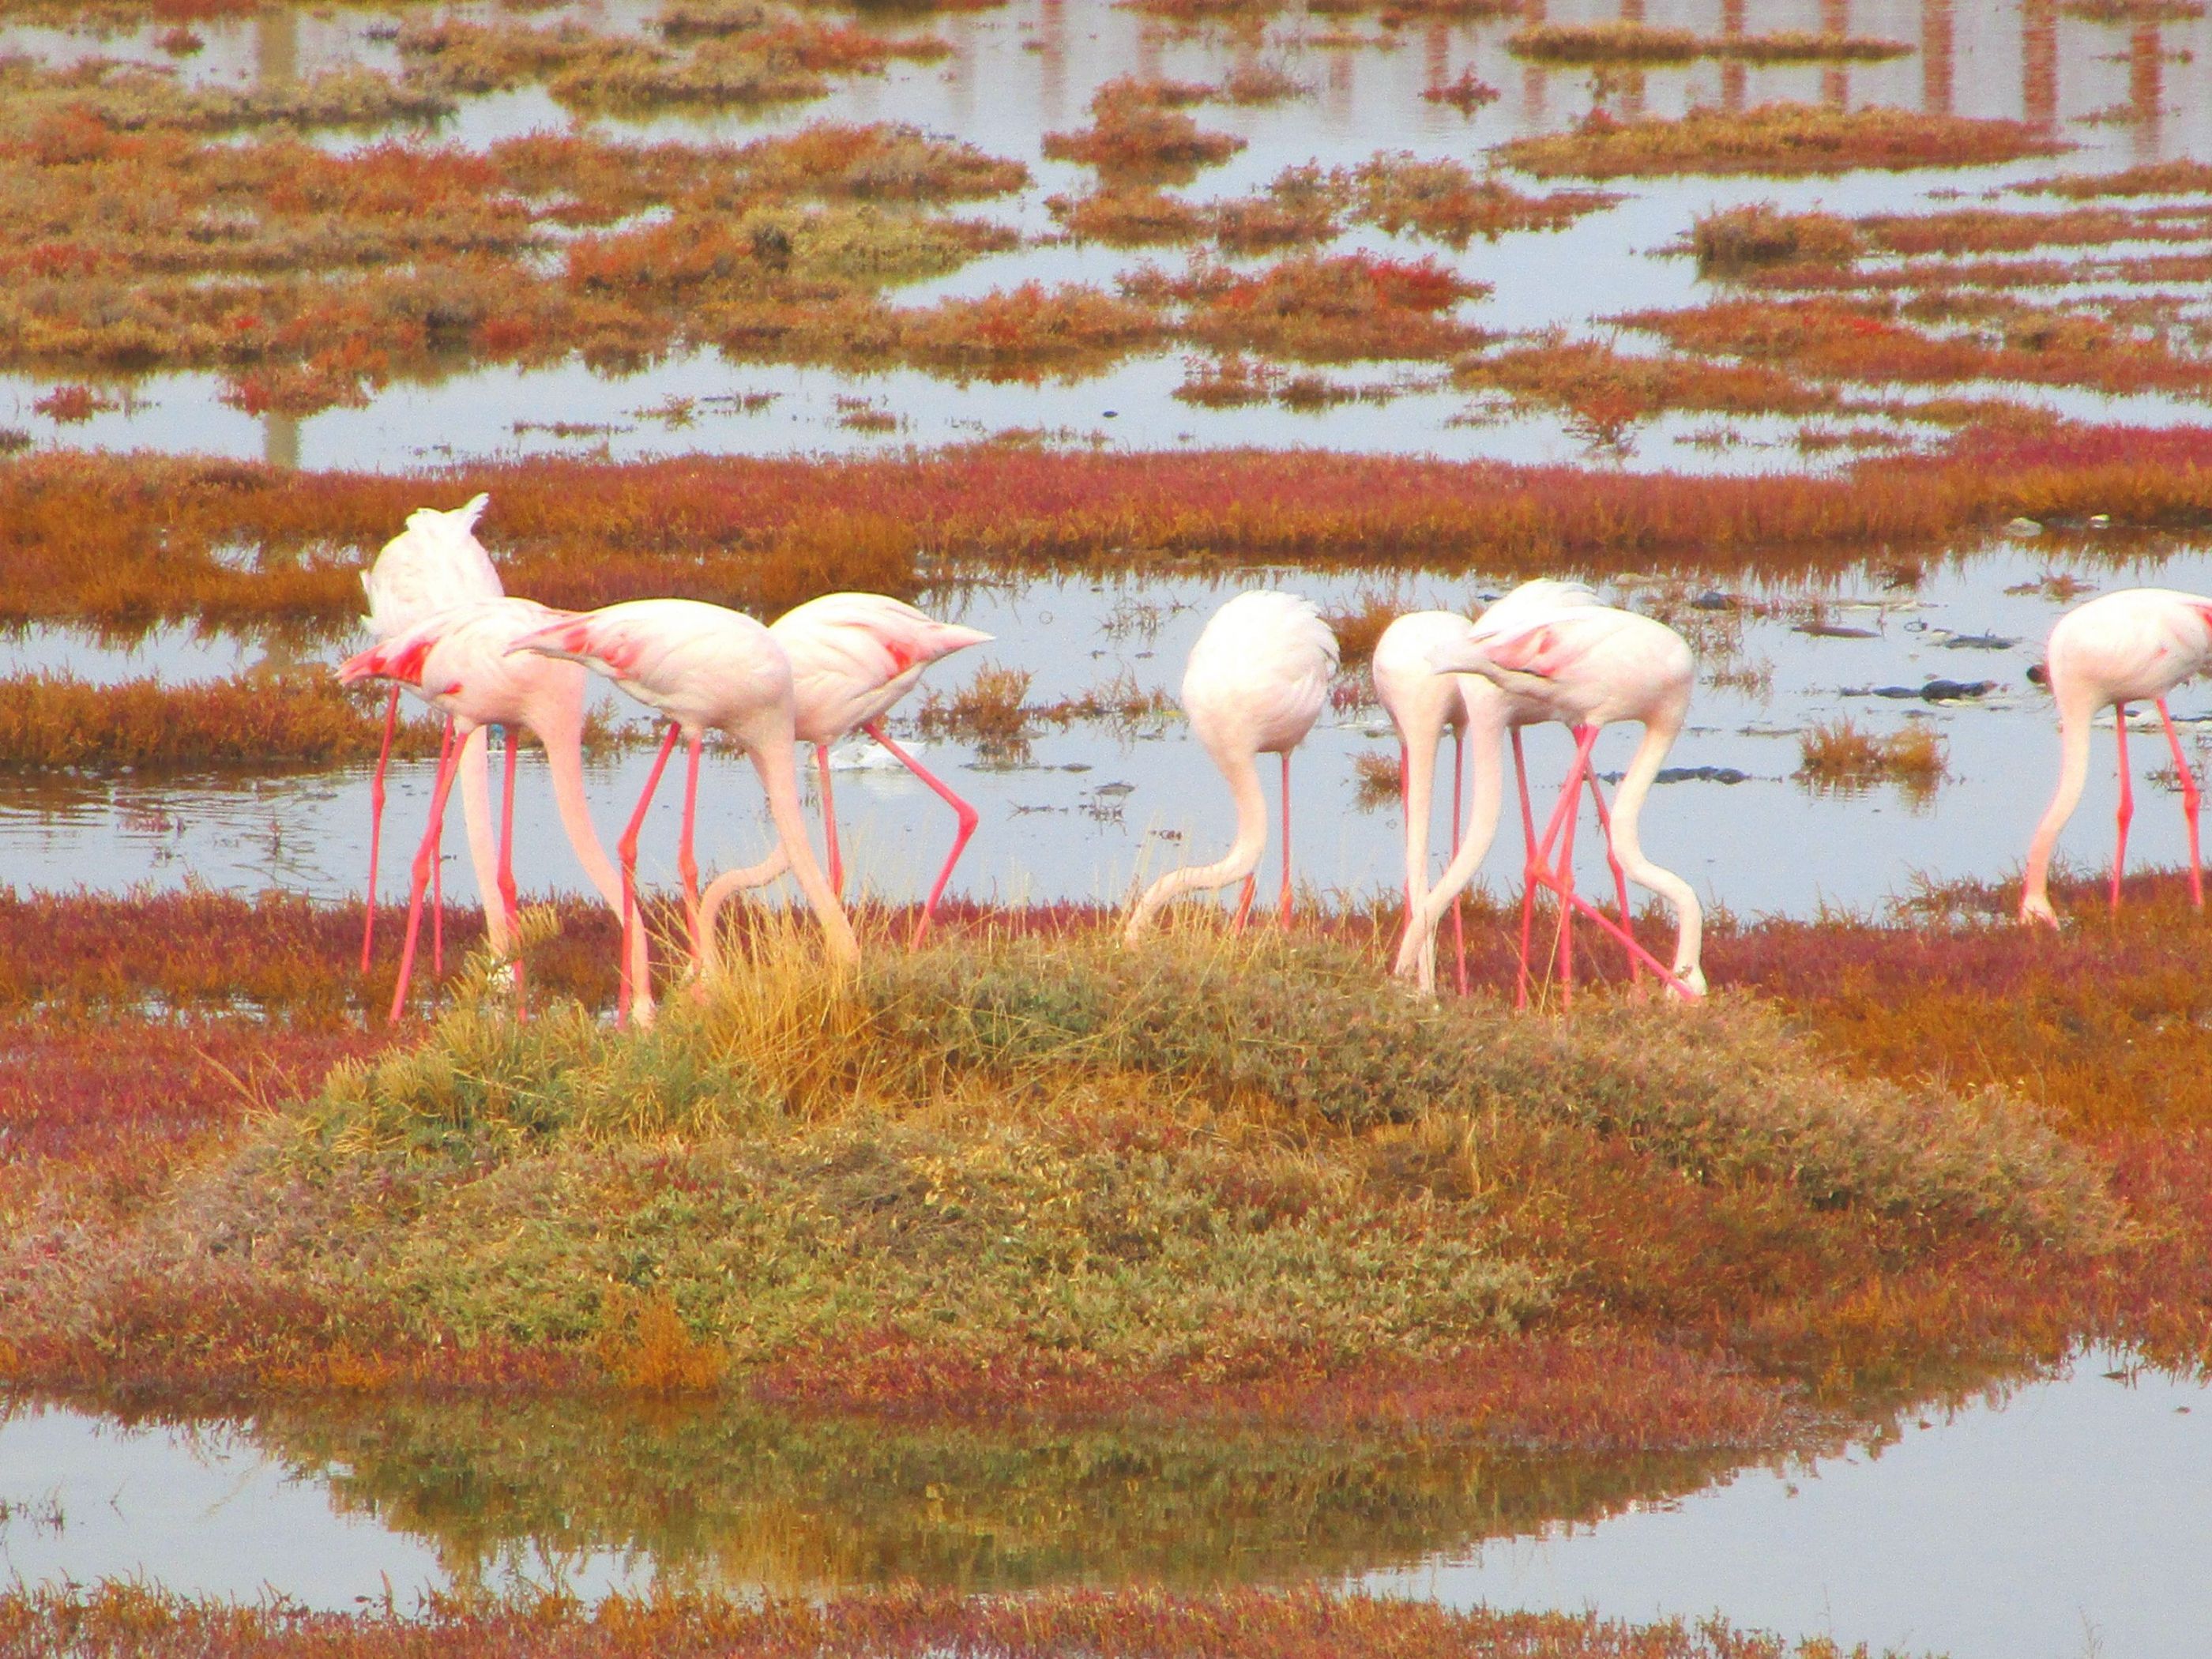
x: 1244, y: 902
x: 2190, y: 797
x: 438, y: 871
x: 1459, y: 899
x: 1537, y: 871
x: 1562, y: 878
x: 1533, y: 868
x: 1561, y: 882
x: 1285, y: 915
x: 1620, y: 875
x: 426, y: 858
x: 507, y: 898
x: 687, y: 864
x: 2127, y: 811
x: 829, y: 822
x: 967, y: 816
x: 376, y: 823
x: 626, y: 849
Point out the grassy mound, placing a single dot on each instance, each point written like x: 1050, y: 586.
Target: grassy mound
x: 1012, y: 1175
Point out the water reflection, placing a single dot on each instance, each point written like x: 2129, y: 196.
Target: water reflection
x: 602, y: 1492
x: 2005, y: 1526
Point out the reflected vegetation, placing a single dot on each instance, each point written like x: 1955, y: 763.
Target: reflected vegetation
x: 719, y: 1499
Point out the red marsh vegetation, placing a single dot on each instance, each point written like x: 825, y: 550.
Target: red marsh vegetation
x: 1784, y: 140
x: 137, y: 540
x: 1873, y: 341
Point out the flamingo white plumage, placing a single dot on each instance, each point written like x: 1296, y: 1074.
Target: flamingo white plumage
x: 2133, y: 645
x: 702, y: 667
x: 435, y: 563
x: 1588, y: 666
x: 1254, y: 685
x: 458, y: 659
x: 1423, y: 705
x: 853, y: 657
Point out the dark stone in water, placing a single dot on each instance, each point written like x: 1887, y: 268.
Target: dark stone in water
x: 2038, y: 675
x: 1836, y: 631
x: 1713, y: 599
x: 1701, y: 775
x: 1933, y: 691
x: 1978, y: 642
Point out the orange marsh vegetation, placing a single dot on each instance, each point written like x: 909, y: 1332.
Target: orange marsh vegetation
x: 140, y: 539
x: 1782, y: 140
x: 121, y: 1621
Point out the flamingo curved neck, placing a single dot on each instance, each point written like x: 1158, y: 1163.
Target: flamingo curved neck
x: 1486, y: 736
x: 1659, y: 736
x: 721, y: 891
x: 780, y: 782
x: 1242, y: 772
x: 2075, y: 715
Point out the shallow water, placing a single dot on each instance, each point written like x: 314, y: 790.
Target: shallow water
x: 1088, y: 810
x: 2016, y: 1526
x: 1030, y: 67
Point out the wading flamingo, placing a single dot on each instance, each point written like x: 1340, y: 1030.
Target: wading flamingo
x: 436, y: 562
x: 458, y: 660
x: 1423, y: 705
x: 2133, y: 645
x: 853, y: 657
x: 1254, y: 685
x: 702, y: 667
x: 1588, y: 666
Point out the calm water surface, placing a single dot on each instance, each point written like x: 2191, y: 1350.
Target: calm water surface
x: 1087, y: 811
x: 2072, y: 1516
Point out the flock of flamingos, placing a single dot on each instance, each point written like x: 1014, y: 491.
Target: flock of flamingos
x: 1257, y: 682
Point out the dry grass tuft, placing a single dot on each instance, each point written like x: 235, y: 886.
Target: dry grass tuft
x: 990, y: 711
x: 1839, y: 757
x: 1731, y: 241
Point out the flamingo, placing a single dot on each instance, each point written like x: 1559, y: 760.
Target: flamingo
x: 2133, y: 645
x: 701, y: 666
x: 1423, y: 705
x: 853, y: 657
x: 1253, y: 686
x: 1588, y: 666
x: 458, y: 659
x: 436, y: 562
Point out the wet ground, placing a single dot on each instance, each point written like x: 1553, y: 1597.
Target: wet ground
x: 2060, y: 1520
